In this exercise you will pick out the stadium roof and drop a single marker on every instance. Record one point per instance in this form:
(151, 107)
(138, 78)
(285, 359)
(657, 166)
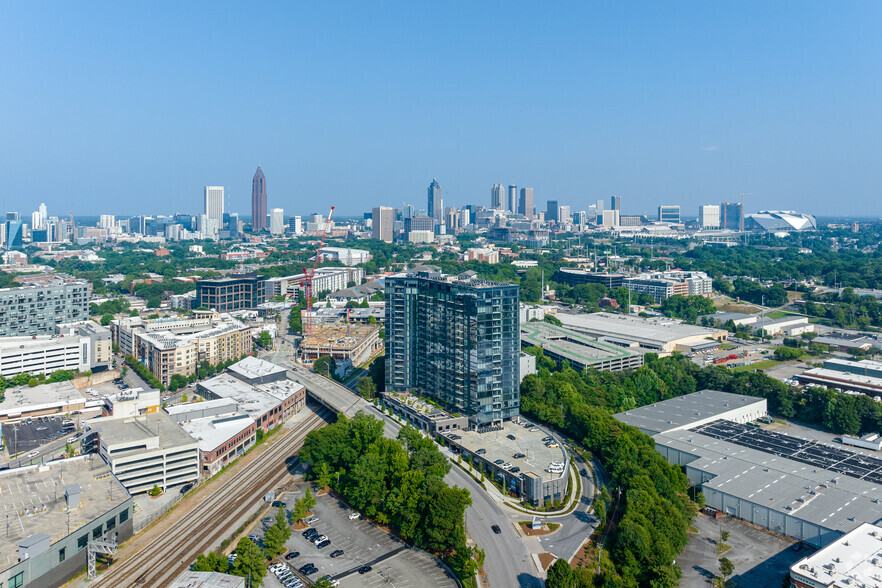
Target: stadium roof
(781, 220)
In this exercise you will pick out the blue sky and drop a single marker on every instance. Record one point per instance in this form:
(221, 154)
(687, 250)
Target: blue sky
(125, 108)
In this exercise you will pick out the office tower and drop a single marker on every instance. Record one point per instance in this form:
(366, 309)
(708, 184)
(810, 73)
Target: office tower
(455, 339)
(616, 203)
(407, 211)
(580, 218)
(610, 218)
(709, 216)
(14, 235)
(451, 218)
(240, 291)
(258, 201)
(419, 223)
(43, 214)
(36, 221)
(497, 197)
(512, 204)
(563, 214)
(13, 216)
(35, 310)
(277, 221)
(381, 223)
(525, 206)
(732, 216)
(214, 203)
(106, 221)
(551, 211)
(436, 204)
(207, 226)
(669, 213)
(295, 225)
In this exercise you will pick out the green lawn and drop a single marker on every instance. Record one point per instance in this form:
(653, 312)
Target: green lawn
(759, 365)
(776, 314)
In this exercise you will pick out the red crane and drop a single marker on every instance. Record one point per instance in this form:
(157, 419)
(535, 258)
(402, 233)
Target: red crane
(307, 279)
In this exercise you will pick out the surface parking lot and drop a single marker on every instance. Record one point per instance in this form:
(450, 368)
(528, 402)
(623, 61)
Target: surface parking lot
(23, 436)
(363, 543)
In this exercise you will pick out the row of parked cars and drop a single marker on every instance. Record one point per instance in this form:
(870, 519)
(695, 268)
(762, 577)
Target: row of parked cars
(286, 576)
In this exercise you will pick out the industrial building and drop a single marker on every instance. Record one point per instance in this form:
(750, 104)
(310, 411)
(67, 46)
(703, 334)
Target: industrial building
(144, 450)
(46, 399)
(851, 561)
(264, 393)
(581, 351)
(75, 346)
(35, 310)
(132, 402)
(788, 326)
(854, 376)
(355, 344)
(222, 436)
(346, 255)
(657, 334)
(191, 579)
(53, 511)
(455, 339)
(797, 487)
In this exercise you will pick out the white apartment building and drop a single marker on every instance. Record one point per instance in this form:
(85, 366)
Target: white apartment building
(145, 450)
(77, 346)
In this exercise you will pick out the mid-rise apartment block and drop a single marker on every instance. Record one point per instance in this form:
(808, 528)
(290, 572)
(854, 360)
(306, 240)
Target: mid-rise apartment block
(455, 339)
(76, 346)
(35, 310)
(325, 279)
(662, 285)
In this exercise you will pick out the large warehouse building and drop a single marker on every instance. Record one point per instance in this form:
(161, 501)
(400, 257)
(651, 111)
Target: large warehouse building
(659, 334)
(796, 487)
(581, 351)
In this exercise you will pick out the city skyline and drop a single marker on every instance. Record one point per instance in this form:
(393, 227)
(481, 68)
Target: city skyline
(687, 104)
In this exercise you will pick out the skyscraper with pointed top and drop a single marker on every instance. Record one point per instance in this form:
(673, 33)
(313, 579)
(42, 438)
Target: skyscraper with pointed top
(258, 201)
(436, 203)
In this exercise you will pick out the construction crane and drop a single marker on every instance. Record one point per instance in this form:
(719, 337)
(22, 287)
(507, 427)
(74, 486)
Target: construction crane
(306, 282)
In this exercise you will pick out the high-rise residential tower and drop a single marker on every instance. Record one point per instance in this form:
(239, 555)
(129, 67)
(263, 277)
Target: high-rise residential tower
(497, 197)
(511, 204)
(525, 206)
(258, 201)
(214, 203)
(457, 340)
(616, 203)
(436, 204)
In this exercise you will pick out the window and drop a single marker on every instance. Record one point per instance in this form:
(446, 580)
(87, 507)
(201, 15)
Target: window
(82, 541)
(61, 555)
(123, 516)
(96, 532)
(17, 580)
(111, 523)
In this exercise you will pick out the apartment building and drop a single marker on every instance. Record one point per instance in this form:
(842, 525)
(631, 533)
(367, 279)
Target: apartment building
(326, 279)
(35, 310)
(240, 291)
(662, 285)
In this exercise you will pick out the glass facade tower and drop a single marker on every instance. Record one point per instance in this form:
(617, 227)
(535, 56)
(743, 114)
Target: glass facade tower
(455, 339)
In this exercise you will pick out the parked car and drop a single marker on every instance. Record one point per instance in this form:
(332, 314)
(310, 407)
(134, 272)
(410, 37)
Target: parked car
(512, 437)
(499, 462)
(354, 515)
(186, 487)
(481, 451)
(519, 456)
(278, 503)
(337, 553)
(319, 539)
(496, 529)
(364, 569)
(515, 470)
(323, 544)
(292, 555)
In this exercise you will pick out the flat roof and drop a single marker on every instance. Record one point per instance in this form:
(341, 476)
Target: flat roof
(683, 411)
(252, 399)
(200, 406)
(570, 344)
(834, 377)
(212, 432)
(52, 394)
(153, 425)
(33, 499)
(658, 330)
(499, 446)
(735, 316)
(252, 368)
(190, 579)
(781, 484)
(847, 561)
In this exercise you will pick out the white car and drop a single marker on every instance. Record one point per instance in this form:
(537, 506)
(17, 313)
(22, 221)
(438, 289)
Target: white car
(319, 539)
(33, 454)
(353, 516)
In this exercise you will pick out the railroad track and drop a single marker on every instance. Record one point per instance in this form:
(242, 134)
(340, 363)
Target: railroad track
(172, 551)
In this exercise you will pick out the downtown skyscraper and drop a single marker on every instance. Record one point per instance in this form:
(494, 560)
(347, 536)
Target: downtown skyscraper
(525, 206)
(457, 340)
(214, 203)
(497, 197)
(436, 203)
(258, 201)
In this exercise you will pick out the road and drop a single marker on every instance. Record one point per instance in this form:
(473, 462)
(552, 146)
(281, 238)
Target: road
(508, 561)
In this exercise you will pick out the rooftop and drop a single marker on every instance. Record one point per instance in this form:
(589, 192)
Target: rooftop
(212, 432)
(200, 406)
(252, 368)
(252, 399)
(569, 344)
(851, 560)
(339, 338)
(25, 397)
(190, 579)
(33, 499)
(156, 429)
(683, 411)
(654, 330)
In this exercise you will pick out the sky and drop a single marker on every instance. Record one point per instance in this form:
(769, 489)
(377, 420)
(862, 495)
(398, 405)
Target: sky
(132, 108)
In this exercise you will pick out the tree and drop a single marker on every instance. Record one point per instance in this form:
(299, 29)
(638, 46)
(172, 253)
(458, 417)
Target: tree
(726, 567)
(176, 382)
(560, 575)
(323, 583)
(277, 534)
(323, 475)
(249, 562)
(325, 365)
(264, 339)
(787, 353)
(105, 320)
(367, 388)
(309, 500)
(211, 562)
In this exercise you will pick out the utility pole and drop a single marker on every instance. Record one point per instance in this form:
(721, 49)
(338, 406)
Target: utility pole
(763, 315)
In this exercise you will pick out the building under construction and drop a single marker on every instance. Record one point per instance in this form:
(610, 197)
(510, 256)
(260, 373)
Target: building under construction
(355, 343)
